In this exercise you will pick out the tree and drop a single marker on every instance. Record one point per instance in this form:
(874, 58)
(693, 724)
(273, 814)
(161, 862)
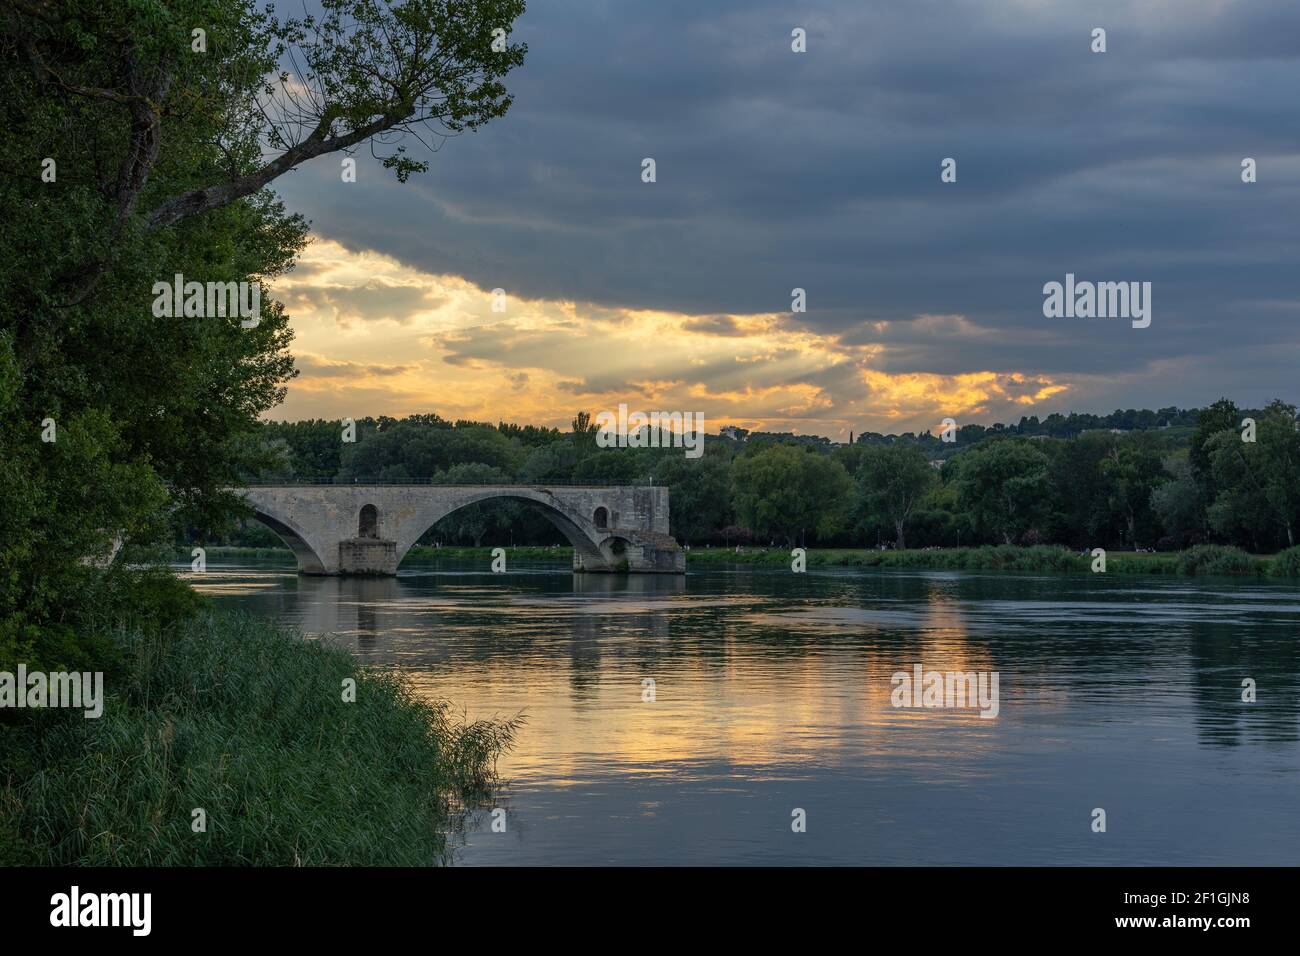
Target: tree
(1132, 471)
(1177, 503)
(315, 446)
(1080, 496)
(1003, 484)
(893, 480)
(1258, 483)
(361, 71)
(786, 491)
(423, 449)
(1222, 416)
(615, 466)
(699, 490)
(161, 154)
(553, 462)
(475, 521)
(1238, 511)
(584, 433)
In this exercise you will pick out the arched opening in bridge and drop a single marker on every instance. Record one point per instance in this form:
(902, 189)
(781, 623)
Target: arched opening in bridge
(308, 561)
(368, 524)
(505, 520)
(601, 518)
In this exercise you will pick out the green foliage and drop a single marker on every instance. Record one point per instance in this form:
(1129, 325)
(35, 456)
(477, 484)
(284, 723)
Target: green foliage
(1217, 559)
(1178, 504)
(699, 492)
(1258, 482)
(1286, 564)
(786, 491)
(1004, 486)
(247, 721)
(1222, 416)
(1203, 560)
(419, 448)
(315, 446)
(615, 465)
(1132, 471)
(1081, 495)
(553, 462)
(893, 482)
(151, 600)
(161, 169)
(984, 558)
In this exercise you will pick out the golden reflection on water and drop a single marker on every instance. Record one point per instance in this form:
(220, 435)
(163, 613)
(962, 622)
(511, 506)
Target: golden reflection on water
(757, 688)
(748, 702)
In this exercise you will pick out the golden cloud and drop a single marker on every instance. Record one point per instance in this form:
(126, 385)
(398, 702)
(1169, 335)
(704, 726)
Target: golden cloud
(379, 337)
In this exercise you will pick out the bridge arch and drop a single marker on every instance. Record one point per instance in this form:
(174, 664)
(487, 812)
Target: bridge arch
(309, 562)
(580, 532)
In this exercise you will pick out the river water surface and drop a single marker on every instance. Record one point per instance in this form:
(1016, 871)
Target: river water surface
(772, 695)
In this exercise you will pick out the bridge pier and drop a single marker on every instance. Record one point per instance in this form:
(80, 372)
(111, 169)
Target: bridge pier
(633, 552)
(367, 557)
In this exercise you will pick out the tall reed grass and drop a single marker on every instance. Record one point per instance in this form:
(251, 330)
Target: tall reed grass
(245, 720)
(1210, 559)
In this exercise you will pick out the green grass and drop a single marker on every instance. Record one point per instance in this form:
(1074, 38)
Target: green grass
(562, 555)
(1285, 564)
(246, 720)
(185, 554)
(421, 552)
(1207, 559)
(1215, 559)
(1202, 560)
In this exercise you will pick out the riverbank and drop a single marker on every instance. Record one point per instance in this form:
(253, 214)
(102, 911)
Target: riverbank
(1201, 560)
(1210, 559)
(560, 555)
(240, 724)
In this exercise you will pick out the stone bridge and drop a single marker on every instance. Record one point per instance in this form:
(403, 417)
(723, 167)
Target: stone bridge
(367, 529)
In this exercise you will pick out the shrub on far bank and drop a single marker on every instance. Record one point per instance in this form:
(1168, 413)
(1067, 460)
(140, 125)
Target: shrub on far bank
(1286, 564)
(1217, 559)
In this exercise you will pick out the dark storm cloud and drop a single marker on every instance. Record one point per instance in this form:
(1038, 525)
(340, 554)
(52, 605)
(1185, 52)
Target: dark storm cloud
(821, 171)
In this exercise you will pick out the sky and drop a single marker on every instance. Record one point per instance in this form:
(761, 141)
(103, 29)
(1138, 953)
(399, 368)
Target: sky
(821, 170)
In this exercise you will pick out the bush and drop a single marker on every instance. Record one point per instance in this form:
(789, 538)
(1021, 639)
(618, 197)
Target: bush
(244, 719)
(151, 600)
(1217, 559)
(1286, 564)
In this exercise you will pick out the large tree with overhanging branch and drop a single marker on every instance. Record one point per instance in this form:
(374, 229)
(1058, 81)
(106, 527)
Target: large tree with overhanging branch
(141, 137)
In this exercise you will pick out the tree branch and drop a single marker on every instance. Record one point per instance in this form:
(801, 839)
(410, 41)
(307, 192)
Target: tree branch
(319, 143)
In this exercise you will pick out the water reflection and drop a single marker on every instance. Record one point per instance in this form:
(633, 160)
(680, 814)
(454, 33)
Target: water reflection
(772, 691)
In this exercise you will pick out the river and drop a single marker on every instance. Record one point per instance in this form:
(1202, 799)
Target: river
(772, 709)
